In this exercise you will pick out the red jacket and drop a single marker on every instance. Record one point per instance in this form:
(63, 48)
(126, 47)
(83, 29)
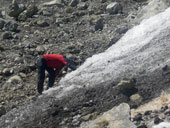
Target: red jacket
(55, 61)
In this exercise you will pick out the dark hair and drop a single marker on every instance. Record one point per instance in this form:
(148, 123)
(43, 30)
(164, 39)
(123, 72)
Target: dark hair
(70, 63)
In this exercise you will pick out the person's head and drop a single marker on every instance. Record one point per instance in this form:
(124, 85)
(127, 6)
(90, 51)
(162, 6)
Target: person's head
(69, 63)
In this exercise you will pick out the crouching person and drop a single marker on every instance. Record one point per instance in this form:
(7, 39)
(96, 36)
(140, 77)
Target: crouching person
(52, 63)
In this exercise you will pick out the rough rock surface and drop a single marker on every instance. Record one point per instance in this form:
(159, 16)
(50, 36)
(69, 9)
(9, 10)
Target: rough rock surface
(78, 29)
(117, 117)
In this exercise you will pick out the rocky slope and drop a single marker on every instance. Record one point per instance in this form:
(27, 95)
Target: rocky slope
(78, 29)
(59, 29)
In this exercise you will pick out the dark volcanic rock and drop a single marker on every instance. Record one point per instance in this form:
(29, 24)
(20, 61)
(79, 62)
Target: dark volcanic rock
(11, 26)
(7, 35)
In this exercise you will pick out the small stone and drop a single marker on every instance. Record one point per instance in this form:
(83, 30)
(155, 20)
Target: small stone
(165, 68)
(86, 117)
(122, 30)
(42, 23)
(99, 24)
(1, 16)
(69, 10)
(147, 112)
(8, 71)
(114, 8)
(10, 26)
(23, 75)
(40, 49)
(126, 84)
(2, 22)
(84, 0)
(46, 13)
(140, 0)
(138, 117)
(59, 3)
(142, 126)
(74, 3)
(31, 10)
(2, 110)
(167, 113)
(59, 20)
(103, 1)
(22, 17)
(7, 35)
(136, 99)
(157, 120)
(164, 108)
(15, 78)
(82, 6)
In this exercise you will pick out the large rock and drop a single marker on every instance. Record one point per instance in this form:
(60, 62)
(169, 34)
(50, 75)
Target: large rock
(15, 9)
(114, 8)
(28, 13)
(117, 117)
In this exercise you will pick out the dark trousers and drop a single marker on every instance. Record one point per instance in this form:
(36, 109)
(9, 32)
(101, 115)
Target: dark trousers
(42, 66)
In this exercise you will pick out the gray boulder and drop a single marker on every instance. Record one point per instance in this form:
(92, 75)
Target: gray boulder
(28, 13)
(117, 117)
(114, 8)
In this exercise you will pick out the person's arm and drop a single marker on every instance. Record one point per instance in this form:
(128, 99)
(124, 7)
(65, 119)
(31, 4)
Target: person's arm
(57, 73)
(71, 66)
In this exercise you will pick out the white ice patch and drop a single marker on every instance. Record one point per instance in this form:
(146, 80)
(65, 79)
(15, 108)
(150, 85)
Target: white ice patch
(142, 47)
(162, 125)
